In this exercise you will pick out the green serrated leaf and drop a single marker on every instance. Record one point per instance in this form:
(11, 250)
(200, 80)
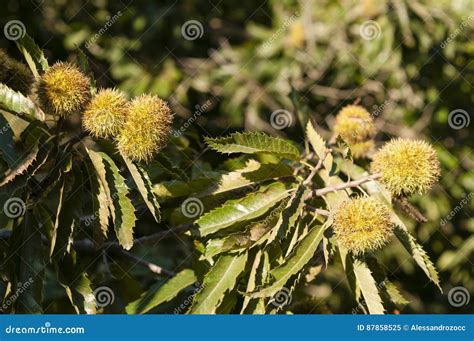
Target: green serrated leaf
(120, 206)
(100, 209)
(253, 235)
(21, 167)
(144, 186)
(83, 63)
(163, 162)
(251, 206)
(317, 142)
(65, 221)
(178, 188)
(417, 252)
(289, 216)
(253, 173)
(30, 268)
(76, 284)
(7, 142)
(57, 219)
(394, 294)
(161, 293)
(257, 277)
(124, 212)
(220, 279)
(368, 287)
(33, 54)
(16, 103)
(253, 142)
(302, 254)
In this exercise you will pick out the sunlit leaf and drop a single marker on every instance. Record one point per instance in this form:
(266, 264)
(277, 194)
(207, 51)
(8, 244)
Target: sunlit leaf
(251, 143)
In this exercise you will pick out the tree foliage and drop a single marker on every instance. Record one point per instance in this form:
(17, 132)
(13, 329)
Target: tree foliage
(240, 223)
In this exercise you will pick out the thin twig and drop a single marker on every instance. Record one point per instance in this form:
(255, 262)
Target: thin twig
(333, 188)
(315, 169)
(153, 238)
(151, 266)
(88, 245)
(333, 139)
(317, 210)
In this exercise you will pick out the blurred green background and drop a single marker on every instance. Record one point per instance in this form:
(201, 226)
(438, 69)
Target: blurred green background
(409, 62)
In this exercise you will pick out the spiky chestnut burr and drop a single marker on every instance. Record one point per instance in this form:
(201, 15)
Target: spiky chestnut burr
(14, 74)
(106, 113)
(407, 166)
(63, 89)
(362, 224)
(146, 130)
